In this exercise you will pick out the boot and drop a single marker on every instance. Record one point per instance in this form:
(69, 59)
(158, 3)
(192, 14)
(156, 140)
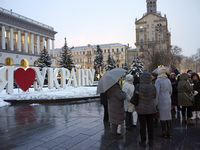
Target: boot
(115, 135)
(198, 114)
(169, 126)
(184, 120)
(163, 127)
(194, 114)
(189, 122)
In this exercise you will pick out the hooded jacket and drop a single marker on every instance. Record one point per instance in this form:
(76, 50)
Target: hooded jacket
(183, 89)
(147, 95)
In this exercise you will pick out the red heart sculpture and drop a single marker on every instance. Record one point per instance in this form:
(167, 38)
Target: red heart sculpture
(24, 78)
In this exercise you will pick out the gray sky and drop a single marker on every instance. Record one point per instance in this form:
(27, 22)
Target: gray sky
(85, 22)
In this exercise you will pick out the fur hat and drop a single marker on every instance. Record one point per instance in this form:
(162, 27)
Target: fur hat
(129, 77)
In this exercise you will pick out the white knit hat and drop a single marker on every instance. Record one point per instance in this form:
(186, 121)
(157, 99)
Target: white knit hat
(129, 77)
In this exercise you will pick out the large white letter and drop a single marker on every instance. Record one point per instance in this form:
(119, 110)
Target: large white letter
(78, 74)
(52, 78)
(40, 76)
(6, 79)
(91, 76)
(72, 79)
(65, 74)
(84, 77)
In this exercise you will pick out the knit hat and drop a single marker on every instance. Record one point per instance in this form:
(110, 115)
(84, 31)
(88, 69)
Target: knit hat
(129, 77)
(162, 73)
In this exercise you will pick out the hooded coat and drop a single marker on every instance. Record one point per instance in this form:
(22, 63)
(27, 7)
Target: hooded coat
(147, 95)
(183, 89)
(128, 87)
(116, 99)
(163, 99)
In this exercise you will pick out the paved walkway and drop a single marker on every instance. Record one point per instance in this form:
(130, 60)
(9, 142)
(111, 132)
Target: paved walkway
(79, 127)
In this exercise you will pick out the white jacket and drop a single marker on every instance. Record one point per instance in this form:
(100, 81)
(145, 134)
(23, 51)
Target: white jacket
(129, 89)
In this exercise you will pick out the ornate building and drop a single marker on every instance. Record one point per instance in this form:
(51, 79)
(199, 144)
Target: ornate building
(22, 39)
(84, 55)
(152, 32)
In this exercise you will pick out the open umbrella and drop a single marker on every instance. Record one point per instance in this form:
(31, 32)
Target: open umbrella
(156, 70)
(109, 79)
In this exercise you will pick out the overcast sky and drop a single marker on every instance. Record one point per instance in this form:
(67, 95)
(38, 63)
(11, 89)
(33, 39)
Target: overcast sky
(85, 22)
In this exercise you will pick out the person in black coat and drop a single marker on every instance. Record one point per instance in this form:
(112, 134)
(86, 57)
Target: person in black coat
(136, 78)
(104, 102)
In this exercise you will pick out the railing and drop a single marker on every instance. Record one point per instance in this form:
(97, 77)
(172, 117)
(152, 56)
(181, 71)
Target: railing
(25, 18)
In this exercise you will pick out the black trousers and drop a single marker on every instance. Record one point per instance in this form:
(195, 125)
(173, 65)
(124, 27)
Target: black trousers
(146, 120)
(106, 117)
(189, 111)
(129, 119)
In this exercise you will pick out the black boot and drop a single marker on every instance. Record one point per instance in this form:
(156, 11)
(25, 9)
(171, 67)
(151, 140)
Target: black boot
(163, 127)
(115, 135)
(169, 124)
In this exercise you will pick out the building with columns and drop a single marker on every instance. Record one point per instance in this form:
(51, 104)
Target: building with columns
(152, 32)
(84, 55)
(22, 39)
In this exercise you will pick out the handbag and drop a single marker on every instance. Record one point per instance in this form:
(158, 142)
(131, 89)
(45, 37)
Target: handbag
(135, 98)
(191, 97)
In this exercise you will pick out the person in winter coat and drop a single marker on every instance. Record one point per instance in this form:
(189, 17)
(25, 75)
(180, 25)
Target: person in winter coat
(163, 101)
(146, 107)
(116, 111)
(174, 96)
(184, 90)
(128, 88)
(196, 107)
(104, 102)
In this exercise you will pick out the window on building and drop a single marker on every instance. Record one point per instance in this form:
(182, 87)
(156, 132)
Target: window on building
(141, 41)
(122, 49)
(83, 53)
(148, 39)
(148, 33)
(152, 38)
(108, 50)
(77, 61)
(104, 51)
(141, 28)
(113, 50)
(152, 25)
(147, 26)
(80, 53)
(141, 34)
(77, 53)
(152, 32)
(117, 50)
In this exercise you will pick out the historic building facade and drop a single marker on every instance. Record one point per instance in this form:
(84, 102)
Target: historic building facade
(152, 31)
(22, 39)
(85, 55)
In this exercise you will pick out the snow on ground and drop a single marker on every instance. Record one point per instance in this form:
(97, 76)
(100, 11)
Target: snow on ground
(45, 93)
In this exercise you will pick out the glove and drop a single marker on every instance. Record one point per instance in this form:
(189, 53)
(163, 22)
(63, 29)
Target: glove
(195, 93)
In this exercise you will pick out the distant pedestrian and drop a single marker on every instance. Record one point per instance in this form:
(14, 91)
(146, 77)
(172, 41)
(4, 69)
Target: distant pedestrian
(128, 88)
(146, 107)
(184, 90)
(104, 102)
(164, 91)
(174, 96)
(136, 78)
(196, 107)
(116, 111)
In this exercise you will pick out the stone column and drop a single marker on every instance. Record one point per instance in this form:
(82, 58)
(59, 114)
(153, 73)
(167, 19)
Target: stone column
(32, 43)
(19, 41)
(3, 41)
(53, 48)
(38, 44)
(11, 40)
(26, 42)
(48, 46)
(43, 43)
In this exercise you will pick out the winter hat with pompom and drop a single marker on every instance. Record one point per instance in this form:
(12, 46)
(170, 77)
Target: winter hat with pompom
(129, 77)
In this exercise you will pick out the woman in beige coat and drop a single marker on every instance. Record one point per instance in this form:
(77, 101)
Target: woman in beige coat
(116, 112)
(184, 90)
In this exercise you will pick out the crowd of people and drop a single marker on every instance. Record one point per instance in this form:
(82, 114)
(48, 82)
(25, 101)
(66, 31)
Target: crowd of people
(160, 95)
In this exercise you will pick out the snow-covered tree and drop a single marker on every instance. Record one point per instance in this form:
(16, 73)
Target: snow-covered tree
(110, 63)
(44, 60)
(98, 61)
(66, 57)
(137, 66)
